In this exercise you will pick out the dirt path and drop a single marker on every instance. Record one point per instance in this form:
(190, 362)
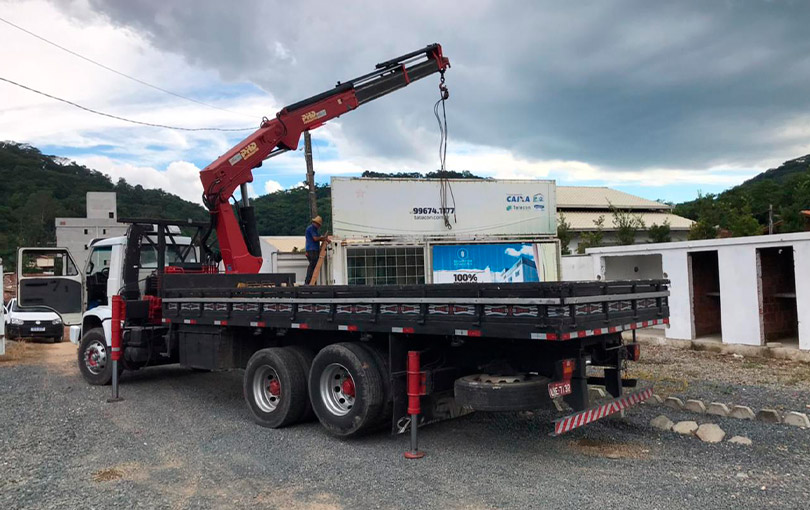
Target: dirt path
(59, 357)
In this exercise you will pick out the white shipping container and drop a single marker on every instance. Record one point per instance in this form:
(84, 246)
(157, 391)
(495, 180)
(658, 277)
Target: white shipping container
(369, 208)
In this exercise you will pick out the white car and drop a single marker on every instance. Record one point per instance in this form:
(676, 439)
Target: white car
(32, 322)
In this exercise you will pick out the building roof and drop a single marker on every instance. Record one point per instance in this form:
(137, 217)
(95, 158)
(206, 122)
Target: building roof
(285, 243)
(583, 220)
(600, 197)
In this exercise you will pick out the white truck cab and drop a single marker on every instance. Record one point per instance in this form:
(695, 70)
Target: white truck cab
(49, 277)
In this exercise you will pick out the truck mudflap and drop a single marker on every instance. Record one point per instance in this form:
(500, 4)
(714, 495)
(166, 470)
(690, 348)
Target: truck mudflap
(576, 420)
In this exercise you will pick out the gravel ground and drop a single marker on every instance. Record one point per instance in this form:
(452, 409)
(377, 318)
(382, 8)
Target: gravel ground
(185, 440)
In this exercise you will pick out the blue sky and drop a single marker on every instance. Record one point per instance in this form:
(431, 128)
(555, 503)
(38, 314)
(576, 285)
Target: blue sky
(661, 100)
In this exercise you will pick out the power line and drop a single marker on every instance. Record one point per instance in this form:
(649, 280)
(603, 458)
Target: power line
(121, 118)
(99, 64)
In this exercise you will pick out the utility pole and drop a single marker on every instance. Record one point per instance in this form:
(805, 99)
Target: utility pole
(313, 201)
(770, 219)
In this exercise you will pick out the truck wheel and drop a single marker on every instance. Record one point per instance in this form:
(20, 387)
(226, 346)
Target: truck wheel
(381, 360)
(95, 363)
(345, 389)
(484, 392)
(305, 357)
(275, 387)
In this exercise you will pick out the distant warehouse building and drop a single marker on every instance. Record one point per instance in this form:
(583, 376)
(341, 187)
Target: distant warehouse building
(582, 206)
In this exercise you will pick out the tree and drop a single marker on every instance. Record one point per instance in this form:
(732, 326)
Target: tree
(660, 233)
(594, 238)
(744, 225)
(701, 229)
(627, 225)
(564, 234)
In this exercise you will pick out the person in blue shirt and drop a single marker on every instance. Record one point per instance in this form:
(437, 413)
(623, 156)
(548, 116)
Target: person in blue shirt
(313, 245)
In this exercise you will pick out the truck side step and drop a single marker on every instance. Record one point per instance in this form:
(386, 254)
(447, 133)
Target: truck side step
(576, 420)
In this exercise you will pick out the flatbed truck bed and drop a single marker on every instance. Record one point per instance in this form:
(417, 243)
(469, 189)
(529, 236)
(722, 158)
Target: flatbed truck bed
(479, 341)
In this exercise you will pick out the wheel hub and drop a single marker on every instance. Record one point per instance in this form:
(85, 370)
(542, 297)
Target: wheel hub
(266, 388)
(337, 389)
(348, 387)
(95, 357)
(274, 387)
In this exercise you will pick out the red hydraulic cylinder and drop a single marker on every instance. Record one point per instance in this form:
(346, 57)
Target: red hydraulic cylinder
(118, 315)
(416, 383)
(416, 388)
(117, 319)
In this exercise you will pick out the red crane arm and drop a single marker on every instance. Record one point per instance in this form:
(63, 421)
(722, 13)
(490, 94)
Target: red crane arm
(238, 240)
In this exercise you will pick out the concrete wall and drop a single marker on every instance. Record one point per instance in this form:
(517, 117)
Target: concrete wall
(102, 205)
(739, 283)
(633, 267)
(575, 268)
(75, 234)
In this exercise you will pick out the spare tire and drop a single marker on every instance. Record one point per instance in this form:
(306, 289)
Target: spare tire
(485, 392)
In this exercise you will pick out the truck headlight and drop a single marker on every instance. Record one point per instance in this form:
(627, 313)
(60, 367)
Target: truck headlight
(17, 322)
(56, 322)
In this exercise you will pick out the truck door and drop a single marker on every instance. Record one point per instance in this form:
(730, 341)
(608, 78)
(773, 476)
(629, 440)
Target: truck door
(49, 277)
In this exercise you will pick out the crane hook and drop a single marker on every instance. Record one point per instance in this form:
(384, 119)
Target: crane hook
(443, 92)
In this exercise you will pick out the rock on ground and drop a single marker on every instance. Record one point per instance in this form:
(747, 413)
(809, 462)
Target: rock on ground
(674, 403)
(662, 423)
(740, 440)
(695, 406)
(717, 409)
(686, 428)
(742, 413)
(710, 433)
(769, 416)
(797, 419)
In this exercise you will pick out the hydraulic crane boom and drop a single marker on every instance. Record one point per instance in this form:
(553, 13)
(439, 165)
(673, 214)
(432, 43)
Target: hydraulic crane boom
(238, 239)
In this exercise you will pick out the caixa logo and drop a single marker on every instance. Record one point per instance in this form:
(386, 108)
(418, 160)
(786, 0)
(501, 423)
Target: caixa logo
(518, 199)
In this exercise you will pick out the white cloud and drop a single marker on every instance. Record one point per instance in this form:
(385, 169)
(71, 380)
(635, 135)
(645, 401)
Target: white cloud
(151, 156)
(526, 250)
(271, 186)
(180, 177)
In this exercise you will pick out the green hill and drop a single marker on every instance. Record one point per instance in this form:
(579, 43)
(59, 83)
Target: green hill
(743, 210)
(36, 188)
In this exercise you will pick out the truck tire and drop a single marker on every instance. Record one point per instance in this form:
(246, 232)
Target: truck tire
(345, 389)
(483, 392)
(95, 363)
(381, 361)
(305, 357)
(275, 387)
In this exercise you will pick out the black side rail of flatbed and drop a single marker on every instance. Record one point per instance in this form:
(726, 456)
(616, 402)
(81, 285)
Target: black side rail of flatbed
(530, 311)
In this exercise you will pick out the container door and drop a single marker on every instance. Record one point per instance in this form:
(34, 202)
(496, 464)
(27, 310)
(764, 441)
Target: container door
(48, 277)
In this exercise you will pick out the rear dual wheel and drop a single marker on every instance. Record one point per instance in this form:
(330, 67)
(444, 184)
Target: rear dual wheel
(345, 383)
(346, 389)
(275, 387)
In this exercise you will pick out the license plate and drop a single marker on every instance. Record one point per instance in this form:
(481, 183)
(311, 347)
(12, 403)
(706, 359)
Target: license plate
(559, 389)
(35, 328)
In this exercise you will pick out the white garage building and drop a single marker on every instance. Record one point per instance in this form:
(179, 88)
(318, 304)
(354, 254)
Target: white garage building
(750, 290)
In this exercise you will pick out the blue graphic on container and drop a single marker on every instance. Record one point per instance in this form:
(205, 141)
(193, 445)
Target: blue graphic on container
(485, 263)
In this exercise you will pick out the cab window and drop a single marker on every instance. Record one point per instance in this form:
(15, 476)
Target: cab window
(47, 263)
(99, 260)
(173, 256)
